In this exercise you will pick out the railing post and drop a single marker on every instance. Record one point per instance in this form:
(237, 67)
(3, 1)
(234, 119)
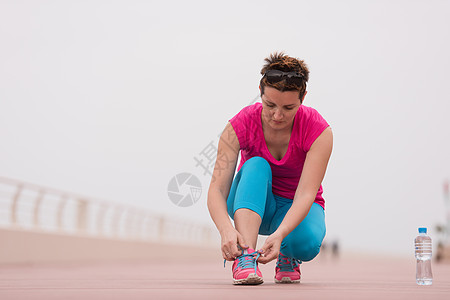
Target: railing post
(59, 214)
(150, 228)
(14, 204)
(139, 221)
(116, 221)
(129, 224)
(161, 229)
(207, 236)
(188, 229)
(100, 220)
(37, 206)
(82, 215)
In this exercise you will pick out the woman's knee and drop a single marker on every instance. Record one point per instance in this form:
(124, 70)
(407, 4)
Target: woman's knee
(304, 247)
(310, 252)
(304, 252)
(257, 164)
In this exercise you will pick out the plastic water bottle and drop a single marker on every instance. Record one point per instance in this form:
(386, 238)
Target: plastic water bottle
(423, 257)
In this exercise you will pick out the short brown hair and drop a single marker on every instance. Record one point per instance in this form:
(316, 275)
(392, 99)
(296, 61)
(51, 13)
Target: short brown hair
(282, 62)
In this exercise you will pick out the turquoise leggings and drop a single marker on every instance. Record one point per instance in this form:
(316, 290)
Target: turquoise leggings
(252, 189)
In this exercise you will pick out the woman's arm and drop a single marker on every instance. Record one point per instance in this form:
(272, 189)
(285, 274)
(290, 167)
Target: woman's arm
(312, 175)
(225, 166)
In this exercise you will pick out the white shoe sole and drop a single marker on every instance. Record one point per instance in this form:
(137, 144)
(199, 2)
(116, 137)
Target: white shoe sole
(287, 280)
(251, 279)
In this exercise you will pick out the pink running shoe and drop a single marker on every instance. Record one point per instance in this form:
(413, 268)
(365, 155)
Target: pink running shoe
(245, 268)
(287, 270)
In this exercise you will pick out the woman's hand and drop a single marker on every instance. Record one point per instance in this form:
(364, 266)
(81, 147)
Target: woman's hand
(231, 241)
(271, 248)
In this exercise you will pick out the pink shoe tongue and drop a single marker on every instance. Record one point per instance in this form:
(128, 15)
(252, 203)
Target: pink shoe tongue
(248, 251)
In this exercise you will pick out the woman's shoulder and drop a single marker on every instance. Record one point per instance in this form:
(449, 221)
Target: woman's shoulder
(307, 110)
(248, 113)
(245, 123)
(307, 114)
(311, 124)
(252, 109)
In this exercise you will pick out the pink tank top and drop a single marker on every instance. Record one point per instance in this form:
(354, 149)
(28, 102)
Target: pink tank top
(308, 125)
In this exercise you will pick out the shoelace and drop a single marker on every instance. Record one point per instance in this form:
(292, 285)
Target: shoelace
(286, 264)
(245, 263)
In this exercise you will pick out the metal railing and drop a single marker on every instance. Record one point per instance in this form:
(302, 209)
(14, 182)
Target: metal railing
(32, 207)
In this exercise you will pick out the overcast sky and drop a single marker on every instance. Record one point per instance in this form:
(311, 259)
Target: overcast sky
(112, 99)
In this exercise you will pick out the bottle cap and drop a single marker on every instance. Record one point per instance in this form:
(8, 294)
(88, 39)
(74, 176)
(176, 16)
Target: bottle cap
(422, 230)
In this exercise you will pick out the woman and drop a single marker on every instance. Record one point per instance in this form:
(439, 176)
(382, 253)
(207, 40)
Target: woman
(285, 147)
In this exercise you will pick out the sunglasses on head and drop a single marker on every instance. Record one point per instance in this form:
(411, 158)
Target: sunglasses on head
(274, 76)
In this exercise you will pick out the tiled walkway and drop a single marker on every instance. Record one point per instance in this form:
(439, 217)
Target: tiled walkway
(190, 278)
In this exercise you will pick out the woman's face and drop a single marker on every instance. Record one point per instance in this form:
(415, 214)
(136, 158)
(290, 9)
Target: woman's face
(279, 108)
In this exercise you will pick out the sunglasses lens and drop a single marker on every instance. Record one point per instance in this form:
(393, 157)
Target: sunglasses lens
(294, 80)
(274, 76)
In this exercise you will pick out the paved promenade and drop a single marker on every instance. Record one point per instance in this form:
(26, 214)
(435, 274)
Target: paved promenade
(180, 277)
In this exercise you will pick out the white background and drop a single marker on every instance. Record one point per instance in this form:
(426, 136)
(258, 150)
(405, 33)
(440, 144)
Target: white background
(111, 99)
